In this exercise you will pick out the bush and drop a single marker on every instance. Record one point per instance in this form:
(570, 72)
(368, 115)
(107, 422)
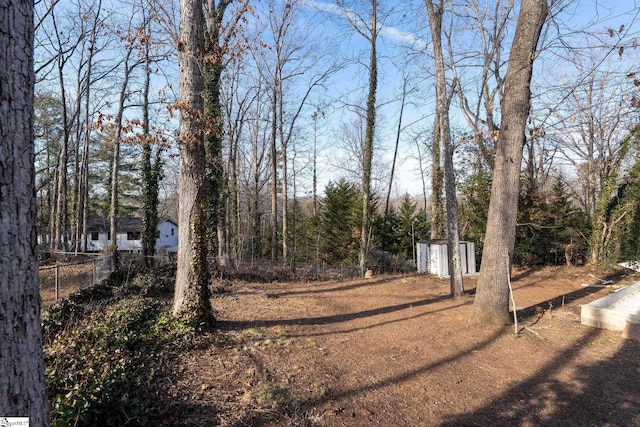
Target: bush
(102, 351)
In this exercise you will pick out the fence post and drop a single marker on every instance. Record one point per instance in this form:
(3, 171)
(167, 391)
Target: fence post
(94, 271)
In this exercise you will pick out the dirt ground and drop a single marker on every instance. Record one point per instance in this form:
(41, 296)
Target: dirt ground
(397, 351)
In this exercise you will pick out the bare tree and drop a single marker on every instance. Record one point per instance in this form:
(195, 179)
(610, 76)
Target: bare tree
(130, 62)
(22, 383)
(221, 28)
(82, 194)
(403, 100)
(191, 301)
(367, 25)
(291, 67)
(443, 102)
(491, 305)
(59, 227)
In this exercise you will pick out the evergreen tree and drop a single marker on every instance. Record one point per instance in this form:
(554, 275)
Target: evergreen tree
(475, 192)
(340, 219)
(572, 226)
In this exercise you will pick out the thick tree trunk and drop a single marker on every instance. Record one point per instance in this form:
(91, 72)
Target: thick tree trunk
(22, 384)
(191, 301)
(367, 149)
(491, 305)
(437, 179)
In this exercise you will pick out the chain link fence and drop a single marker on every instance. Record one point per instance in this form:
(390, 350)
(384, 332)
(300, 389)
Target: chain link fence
(68, 273)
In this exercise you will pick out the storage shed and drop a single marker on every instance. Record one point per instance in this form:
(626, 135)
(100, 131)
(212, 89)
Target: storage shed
(433, 257)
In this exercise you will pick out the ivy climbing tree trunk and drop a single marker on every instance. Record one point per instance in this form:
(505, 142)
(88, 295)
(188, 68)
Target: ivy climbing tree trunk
(191, 301)
(151, 165)
(367, 148)
(22, 384)
(437, 179)
(213, 119)
(491, 304)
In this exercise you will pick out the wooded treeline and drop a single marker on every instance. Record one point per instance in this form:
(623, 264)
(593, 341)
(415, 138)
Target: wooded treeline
(293, 93)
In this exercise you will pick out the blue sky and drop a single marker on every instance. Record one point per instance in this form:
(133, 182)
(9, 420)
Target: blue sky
(404, 30)
(404, 52)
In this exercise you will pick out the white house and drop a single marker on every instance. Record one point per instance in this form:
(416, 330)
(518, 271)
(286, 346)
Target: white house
(433, 257)
(129, 234)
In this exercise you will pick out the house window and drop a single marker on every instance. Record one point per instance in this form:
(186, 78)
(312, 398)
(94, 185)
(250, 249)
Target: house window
(172, 231)
(94, 236)
(133, 235)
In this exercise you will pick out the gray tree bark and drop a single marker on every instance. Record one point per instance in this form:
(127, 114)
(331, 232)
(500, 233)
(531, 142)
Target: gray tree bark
(442, 113)
(191, 301)
(22, 384)
(491, 305)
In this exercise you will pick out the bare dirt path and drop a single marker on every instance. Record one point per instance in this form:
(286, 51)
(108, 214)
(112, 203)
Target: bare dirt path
(396, 351)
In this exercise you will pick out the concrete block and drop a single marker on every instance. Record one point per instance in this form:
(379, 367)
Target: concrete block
(631, 330)
(615, 310)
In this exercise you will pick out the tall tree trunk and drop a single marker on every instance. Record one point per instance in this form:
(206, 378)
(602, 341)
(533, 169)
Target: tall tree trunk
(437, 179)
(491, 305)
(22, 383)
(60, 219)
(442, 113)
(256, 235)
(315, 117)
(83, 193)
(367, 148)
(213, 150)
(150, 167)
(113, 206)
(274, 172)
(234, 194)
(217, 46)
(395, 150)
(285, 187)
(60, 216)
(191, 301)
(128, 67)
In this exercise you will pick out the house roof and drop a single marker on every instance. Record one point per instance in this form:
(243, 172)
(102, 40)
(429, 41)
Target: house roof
(123, 225)
(167, 219)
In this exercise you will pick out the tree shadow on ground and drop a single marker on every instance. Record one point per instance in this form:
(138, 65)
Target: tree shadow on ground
(337, 318)
(603, 393)
(376, 325)
(525, 273)
(556, 302)
(322, 288)
(295, 406)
